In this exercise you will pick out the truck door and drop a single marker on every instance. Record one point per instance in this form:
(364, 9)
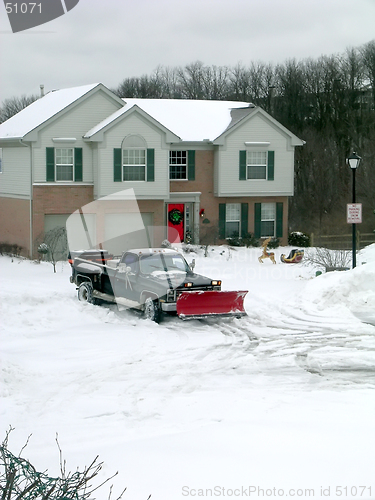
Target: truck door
(126, 277)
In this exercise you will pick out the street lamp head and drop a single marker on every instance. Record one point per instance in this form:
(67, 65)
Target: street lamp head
(354, 160)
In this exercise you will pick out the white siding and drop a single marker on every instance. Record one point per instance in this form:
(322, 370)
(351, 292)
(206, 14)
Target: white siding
(154, 138)
(256, 129)
(15, 179)
(75, 123)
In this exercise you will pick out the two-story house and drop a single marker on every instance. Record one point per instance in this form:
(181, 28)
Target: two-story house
(209, 169)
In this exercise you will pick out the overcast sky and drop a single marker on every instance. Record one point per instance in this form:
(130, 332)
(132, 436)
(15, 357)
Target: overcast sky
(109, 40)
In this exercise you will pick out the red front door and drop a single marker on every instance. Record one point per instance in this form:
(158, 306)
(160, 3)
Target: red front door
(176, 216)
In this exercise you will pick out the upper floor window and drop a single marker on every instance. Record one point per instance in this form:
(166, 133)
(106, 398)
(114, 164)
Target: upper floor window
(257, 164)
(182, 165)
(64, 164)
(134, 158)
(178, 166)
(64, 161)
(134, 164)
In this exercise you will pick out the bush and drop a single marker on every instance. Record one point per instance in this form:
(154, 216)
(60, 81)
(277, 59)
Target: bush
(248, 240)
(10, 249)
(274, 243)
(298, 239)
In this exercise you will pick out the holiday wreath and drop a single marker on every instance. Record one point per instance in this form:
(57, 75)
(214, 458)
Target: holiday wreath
(175, 216)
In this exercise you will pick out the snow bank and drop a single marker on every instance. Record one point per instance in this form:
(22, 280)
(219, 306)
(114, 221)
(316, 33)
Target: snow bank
(353, 290)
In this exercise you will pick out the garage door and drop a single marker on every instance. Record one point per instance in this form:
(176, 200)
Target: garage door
(81, 231)
(77, 236)
(125, 231)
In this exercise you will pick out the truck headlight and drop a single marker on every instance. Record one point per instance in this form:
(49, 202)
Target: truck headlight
(216, 283)
(188, 285)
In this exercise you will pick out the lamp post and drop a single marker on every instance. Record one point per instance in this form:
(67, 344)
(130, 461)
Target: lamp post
(353, 162)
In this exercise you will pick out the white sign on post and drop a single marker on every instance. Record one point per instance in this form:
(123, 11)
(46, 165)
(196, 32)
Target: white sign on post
(354, 213)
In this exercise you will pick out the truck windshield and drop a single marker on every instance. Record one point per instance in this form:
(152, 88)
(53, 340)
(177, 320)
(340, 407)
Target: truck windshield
(163, 262)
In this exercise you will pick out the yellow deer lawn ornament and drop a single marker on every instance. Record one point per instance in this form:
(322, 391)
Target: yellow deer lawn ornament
(265, 254)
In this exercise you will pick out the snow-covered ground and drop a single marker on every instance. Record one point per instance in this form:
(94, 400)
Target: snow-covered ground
(279, 403)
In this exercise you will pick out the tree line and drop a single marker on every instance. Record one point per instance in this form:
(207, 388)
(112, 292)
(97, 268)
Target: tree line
(329, 102)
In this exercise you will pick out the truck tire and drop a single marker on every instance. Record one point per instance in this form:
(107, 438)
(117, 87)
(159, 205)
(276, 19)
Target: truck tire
(152, 310)
(85, 290)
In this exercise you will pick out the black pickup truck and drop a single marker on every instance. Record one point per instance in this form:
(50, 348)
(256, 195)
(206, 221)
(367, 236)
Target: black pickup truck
(155, 281)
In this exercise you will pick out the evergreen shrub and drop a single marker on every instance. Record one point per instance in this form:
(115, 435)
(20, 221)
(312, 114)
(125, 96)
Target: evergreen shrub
(298, 239)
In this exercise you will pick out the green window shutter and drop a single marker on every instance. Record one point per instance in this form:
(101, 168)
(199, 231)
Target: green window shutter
(244, 218)
(78, 164)
(117, 165)
(279, 220)
(50, 164)
(242, 165)
(191, 165)
(150, 165)
(271, 166)
(222, 217)
(257, 219)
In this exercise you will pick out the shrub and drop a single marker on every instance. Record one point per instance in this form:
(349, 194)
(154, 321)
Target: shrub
(328, 259)
(298, 239)
(248, 240)
(274, 243)
(235, 240)
(10, 249)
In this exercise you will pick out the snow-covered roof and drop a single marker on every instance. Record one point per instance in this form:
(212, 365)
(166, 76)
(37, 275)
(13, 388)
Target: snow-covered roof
(191, 120)
(41, 110)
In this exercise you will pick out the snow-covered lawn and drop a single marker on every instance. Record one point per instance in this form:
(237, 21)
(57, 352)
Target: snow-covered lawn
(279, 403)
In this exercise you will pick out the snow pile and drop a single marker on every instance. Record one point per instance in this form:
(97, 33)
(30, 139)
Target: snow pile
(353, 290)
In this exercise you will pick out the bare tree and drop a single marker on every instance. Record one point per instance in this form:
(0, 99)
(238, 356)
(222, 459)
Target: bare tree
(14, 105)
(368, 56)
(216, 82)
(191, 80)
(19, 478)
(54, 246)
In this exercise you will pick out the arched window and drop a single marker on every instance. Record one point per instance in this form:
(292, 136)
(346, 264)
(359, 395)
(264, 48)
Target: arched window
(134, 157)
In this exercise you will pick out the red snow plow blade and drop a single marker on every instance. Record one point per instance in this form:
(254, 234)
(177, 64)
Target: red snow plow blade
(204, 304)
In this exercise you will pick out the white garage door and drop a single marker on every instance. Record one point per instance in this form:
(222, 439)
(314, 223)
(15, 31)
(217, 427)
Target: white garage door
(81, 231)
(125, 231)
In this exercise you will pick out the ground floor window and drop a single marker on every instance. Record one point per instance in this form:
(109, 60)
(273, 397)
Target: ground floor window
(233, 220)
(268, 220)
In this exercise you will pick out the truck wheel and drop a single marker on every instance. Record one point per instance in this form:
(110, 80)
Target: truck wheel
(152, 310)
(85, 290)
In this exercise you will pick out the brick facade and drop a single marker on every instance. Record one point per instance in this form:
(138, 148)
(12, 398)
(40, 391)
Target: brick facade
(15, 223)
(57, 200)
